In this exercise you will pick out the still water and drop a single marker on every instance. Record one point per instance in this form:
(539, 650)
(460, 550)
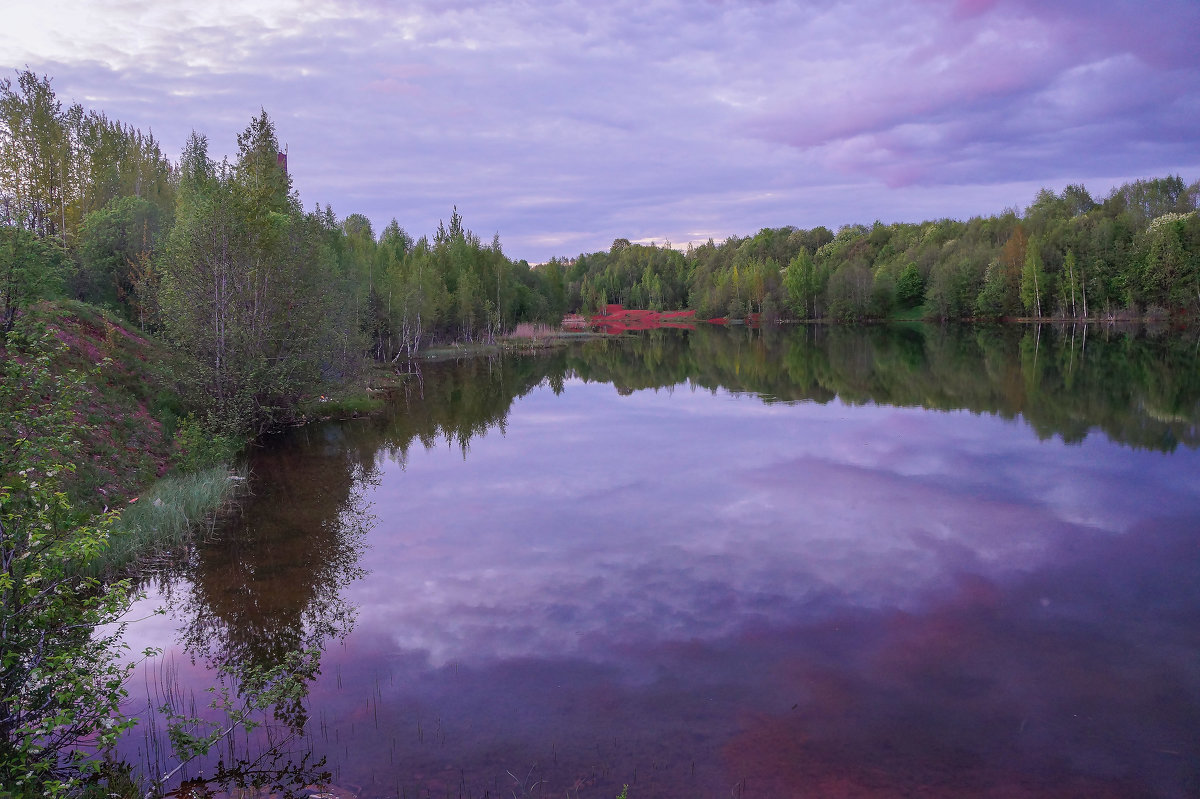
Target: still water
(849, 563)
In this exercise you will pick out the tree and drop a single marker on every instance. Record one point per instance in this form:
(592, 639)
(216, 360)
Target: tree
(113, 245)
(800, 283)
(249, 296)
(910, 288)
(849, 292)
(263, 184)
(1070, 278)
(31, 269)
(34, 155)
(1163, 276)
(952, 289)
(61, 684)
(1033, 279)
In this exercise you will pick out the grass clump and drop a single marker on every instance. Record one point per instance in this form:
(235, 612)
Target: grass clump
(162, 521)
(914, 314)
(341, 407)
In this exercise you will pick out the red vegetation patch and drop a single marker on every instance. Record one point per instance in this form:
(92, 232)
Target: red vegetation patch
(618, 319)
(124, 446)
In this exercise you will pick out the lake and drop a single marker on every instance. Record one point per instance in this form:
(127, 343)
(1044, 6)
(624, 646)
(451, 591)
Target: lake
(837, 562)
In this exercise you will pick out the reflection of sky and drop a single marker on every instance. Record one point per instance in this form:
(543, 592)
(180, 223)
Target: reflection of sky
(681, 515)
(800, 596)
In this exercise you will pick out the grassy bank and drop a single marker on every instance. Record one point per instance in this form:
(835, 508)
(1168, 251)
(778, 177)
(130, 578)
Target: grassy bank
(355, 403)
(129, 405)
(138, 453)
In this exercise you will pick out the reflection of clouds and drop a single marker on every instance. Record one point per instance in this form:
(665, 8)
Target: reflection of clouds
(813, 597)
(1048, 684)
(1073, 679)
(693, 524)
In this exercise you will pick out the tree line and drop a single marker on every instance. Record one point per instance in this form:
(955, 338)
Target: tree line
(261, 300)
(1136, 253)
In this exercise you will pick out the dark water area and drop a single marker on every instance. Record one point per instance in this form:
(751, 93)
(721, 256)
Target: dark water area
(820, 562)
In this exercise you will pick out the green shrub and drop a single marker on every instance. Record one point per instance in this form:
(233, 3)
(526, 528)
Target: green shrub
(200, 447)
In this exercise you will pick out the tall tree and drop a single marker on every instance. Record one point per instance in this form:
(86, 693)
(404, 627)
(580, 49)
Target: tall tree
(249, 295)
(1033, 279)
(34, 155)
(800, 282)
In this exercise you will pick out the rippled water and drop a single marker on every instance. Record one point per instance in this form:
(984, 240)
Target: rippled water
(826, 563)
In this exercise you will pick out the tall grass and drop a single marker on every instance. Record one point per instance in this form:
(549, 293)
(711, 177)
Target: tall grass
(163, 519)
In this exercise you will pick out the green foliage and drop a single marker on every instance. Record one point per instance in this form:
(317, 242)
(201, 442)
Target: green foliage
(116, 250)
(952, 290)
(61, 685)
(1168, 276)
(59, 164)
(801, 284)
(34, 143)
(202, 447)
(910, 288)
(1033, 280)
(254, 309)
(31, 269)
(1091, 259)
(341, 407)
(849, 293)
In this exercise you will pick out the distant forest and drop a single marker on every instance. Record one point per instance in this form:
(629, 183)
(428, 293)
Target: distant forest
(1134, 254)
(264, 301)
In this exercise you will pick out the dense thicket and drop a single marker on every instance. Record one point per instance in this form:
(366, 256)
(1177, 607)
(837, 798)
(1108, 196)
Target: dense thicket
(1135, 253)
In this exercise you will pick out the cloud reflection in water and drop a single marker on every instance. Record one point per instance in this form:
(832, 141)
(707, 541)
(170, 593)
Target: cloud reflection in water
(692, 590)
(665, 504)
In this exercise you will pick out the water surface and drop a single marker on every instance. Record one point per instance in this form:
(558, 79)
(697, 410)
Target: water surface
(877, 562)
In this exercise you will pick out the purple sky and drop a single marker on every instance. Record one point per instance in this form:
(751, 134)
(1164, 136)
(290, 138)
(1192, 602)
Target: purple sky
(563, 125)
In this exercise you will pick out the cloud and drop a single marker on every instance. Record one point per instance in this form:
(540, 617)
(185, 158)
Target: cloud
(1004, 90)
(565, 125)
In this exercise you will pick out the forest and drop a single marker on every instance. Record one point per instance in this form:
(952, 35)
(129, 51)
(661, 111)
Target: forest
(1133, 254)
(263, 301)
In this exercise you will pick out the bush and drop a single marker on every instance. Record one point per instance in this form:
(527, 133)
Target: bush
(200, 447)
(61, 685)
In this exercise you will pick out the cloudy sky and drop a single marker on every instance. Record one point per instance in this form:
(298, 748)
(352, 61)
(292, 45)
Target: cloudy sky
(564, 124)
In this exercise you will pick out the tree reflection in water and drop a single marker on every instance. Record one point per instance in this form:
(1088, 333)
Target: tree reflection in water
(268, 587)
(273, 580)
